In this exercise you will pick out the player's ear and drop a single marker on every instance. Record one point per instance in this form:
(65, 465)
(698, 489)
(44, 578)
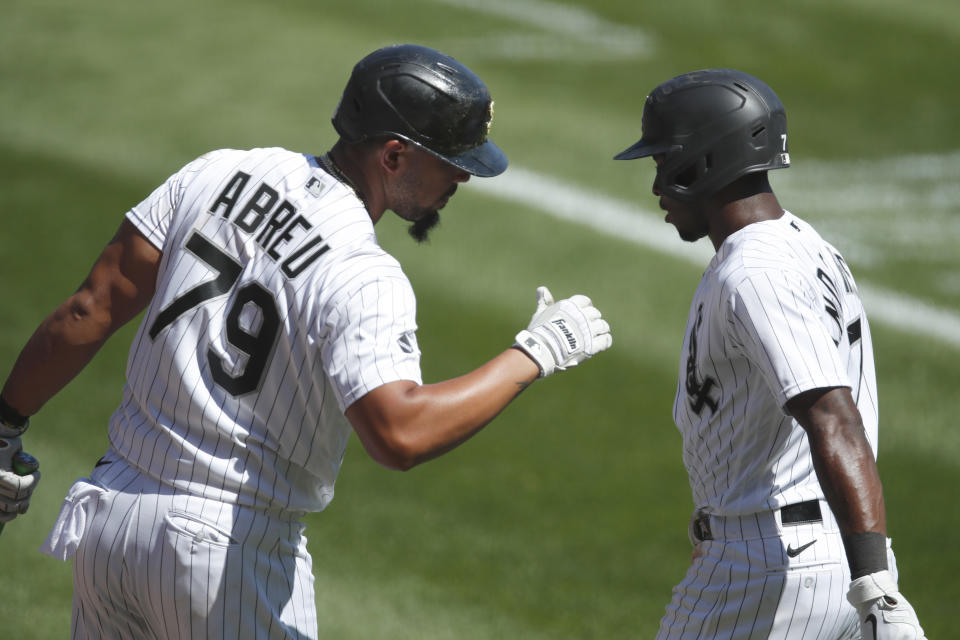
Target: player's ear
(393, 154)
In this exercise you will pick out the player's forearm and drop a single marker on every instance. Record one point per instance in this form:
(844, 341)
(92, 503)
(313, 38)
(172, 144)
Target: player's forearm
(451, 411)
(403, 424)
(847, 472)
(118, 287)
(851, 484)
(57, 351)
(842, 459)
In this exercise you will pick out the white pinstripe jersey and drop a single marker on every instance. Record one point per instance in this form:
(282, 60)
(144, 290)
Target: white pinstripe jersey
(275, 309)
(776, 313)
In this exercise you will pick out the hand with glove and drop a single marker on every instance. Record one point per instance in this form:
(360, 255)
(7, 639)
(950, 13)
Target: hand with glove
(883, 611)
(18, 473)
(563, 334)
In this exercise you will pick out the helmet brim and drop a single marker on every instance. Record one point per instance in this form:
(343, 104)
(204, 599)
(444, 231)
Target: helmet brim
(643, 149)
(484, 161)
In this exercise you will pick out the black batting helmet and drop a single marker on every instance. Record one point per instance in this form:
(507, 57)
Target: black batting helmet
(425, 97)
(712, 127)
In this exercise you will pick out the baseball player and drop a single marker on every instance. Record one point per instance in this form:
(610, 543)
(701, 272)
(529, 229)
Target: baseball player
(274, 324)
(777, 396)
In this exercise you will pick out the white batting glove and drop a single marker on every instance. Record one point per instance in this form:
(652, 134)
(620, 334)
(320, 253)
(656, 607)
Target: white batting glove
(563, 334)
(15, 489)
(883, 611)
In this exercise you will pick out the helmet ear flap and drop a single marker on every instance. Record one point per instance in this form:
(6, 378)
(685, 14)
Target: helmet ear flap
(684, 181)
(686, 177)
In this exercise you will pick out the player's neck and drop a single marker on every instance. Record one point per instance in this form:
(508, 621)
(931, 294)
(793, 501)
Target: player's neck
(348, 162)
(736, 214)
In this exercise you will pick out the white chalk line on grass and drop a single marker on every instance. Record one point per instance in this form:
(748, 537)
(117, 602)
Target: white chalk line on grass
(556, 31)
(627, 221)
(904, 207)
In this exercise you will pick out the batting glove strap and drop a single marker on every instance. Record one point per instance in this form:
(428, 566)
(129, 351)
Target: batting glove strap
(883, 611)
(538, 350)
(8, 430)
(12, 423)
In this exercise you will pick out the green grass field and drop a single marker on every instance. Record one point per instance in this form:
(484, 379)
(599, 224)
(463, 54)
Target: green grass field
(566, 518)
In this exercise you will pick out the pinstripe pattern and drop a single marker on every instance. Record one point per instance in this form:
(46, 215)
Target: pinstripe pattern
(744, 585)
(157, 563)
(280, 447)
(763, 335)
(776, 313)
(275, 309)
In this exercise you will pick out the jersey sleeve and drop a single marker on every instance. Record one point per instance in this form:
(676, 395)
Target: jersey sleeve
(775, 319)
(372, 338)
(153, 216)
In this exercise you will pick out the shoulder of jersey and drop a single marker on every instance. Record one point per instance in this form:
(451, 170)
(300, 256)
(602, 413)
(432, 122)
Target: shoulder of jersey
(300, 178)
(770, 245)
(263, 157)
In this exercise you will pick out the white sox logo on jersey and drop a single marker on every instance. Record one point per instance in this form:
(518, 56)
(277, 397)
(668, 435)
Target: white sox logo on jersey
(698, 392)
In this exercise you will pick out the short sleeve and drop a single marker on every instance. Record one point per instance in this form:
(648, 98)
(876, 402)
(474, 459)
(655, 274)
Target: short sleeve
(153, 216)
(775, 319)
(372, 339)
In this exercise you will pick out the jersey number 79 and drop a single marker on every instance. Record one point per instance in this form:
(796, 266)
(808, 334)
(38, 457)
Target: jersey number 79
(257, 345)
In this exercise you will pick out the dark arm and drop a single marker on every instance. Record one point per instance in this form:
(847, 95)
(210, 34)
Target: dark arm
(119, 286)
(847, 471)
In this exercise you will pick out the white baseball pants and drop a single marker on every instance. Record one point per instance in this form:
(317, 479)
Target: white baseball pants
(153, 563)
(743, 584)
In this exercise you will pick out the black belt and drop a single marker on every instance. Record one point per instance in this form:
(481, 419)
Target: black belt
(800, 513)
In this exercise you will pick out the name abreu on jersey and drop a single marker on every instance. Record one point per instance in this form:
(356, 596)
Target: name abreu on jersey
(276, 224)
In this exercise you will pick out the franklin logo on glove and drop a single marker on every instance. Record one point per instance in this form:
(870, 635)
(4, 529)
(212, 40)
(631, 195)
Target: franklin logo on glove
(566, 333)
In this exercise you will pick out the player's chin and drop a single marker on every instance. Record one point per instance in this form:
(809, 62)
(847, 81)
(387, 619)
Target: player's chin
(690, 236)
(421, 227)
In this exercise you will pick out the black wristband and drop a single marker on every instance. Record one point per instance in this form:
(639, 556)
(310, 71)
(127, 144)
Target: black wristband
(11, 416)
(866, 553)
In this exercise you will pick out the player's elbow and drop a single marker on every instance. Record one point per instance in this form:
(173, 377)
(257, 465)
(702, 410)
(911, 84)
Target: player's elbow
(397, 463)
(391, 426)
(82, 319)
(389, 442)
(392, 450)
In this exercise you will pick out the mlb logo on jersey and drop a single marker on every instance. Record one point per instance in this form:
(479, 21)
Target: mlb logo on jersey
(315, 187)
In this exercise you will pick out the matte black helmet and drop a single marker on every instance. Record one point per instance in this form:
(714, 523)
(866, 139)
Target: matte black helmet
(712, 127)
(425, 97)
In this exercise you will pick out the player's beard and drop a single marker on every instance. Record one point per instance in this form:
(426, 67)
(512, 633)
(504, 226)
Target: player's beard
(423, 218)
(421, 227)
